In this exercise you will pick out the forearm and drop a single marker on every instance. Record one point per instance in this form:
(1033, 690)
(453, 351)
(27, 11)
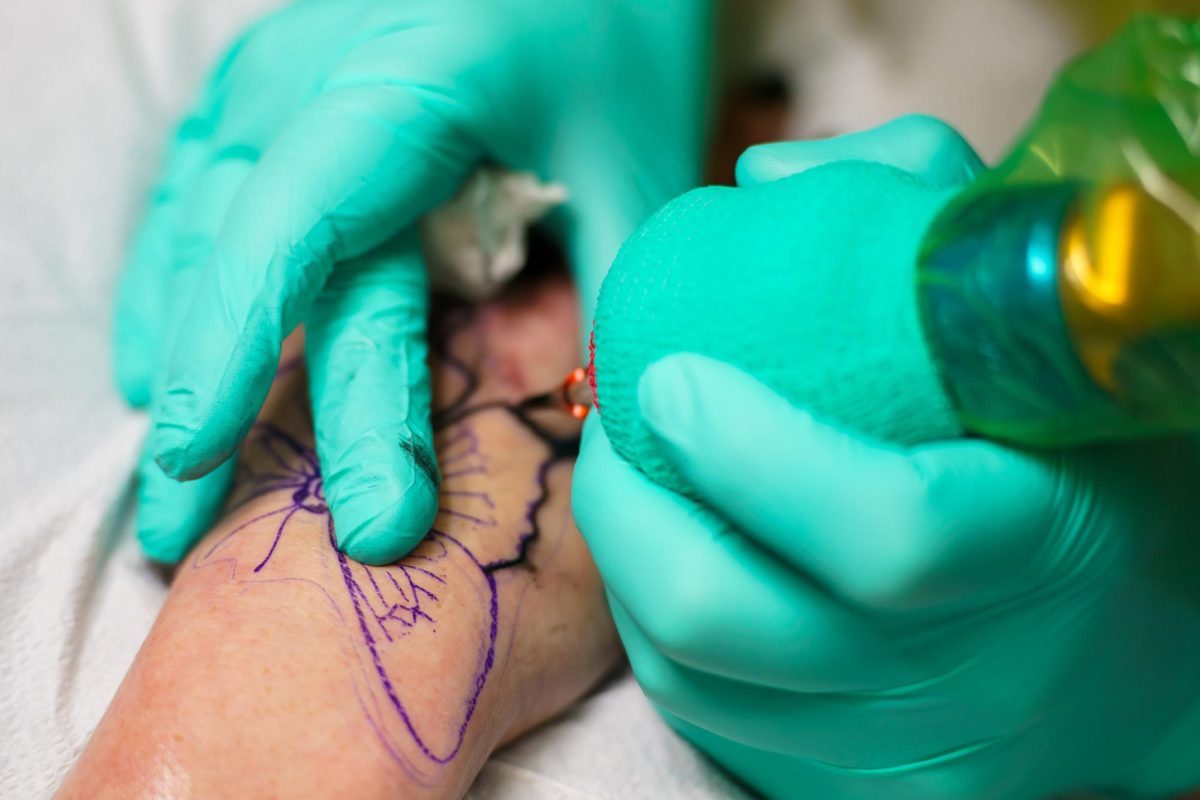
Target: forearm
(280, 667)
(274, 690)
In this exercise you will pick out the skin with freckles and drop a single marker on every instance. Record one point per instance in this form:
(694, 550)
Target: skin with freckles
(280, 668)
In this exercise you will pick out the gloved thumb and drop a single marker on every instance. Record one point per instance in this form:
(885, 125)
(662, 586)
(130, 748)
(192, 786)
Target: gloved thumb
(886, 526)
(807, 283)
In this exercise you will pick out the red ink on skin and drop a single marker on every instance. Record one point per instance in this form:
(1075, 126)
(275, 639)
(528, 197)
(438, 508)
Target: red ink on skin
(591, 368)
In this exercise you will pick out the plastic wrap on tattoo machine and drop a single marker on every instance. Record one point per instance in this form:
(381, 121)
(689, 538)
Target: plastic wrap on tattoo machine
(1060, 292)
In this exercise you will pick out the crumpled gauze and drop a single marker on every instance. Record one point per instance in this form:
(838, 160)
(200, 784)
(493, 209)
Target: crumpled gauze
(475, 243)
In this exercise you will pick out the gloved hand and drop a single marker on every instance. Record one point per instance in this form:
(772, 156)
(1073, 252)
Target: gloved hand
(808, 282)
(290, 193)
(915, 143)
(839, 617)
(845, 619)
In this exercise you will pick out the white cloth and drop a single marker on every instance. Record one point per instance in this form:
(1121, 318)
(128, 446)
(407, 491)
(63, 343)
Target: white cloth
(88, 92)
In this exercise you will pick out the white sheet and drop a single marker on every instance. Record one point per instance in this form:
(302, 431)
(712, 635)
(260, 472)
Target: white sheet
(88, 91)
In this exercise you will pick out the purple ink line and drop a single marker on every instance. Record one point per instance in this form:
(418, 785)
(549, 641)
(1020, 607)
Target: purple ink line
(485, 497)
(224, 538)
(306, 453)
(265, 489)
(451, 459)
(286, 475)
(275, 543)
(358, 591)
(396, 583)
(390, 610)
(371, 577)
(533, 531)
(385, 679)
(490, 522)
(426, 592)
(415, 589)
(417, 612)
(456, 435)
(275, 439)
(269, 446)
(467, 471)
(454, 452)
(437, 578)
(394, 610)
(289, 365)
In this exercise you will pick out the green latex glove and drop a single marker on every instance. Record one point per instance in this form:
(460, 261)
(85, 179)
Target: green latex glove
(843, 618)
(915, 143)
(807, 282)
(290, 193)
(830, 615)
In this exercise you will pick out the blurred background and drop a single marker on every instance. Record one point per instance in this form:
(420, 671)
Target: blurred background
(979, 64)
(89, 91)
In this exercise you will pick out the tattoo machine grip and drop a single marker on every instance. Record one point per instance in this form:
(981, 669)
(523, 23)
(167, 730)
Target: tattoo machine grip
(805, 283)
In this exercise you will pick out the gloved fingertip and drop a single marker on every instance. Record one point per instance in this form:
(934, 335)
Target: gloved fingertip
(131, 371)
(376, 530)
(378, 536)
(135, 344)
(131, 367)
(168, 526)
(161, 547)
(170, 453)
(759, 164)
(173, 516)
(177, 453)
(134, 386)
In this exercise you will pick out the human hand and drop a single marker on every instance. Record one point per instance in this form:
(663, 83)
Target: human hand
(804, 275)
(289, 195)
(916, 143)
(842, 618)
(833, 616)
(272, 645)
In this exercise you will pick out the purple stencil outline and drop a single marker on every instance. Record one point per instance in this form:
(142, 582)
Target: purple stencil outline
(304, 480)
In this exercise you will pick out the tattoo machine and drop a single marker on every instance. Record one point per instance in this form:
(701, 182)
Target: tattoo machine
(1054, 301)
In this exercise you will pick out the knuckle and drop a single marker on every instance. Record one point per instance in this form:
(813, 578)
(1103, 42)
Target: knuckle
(752, 159)
(900, 570)
(260, 48)
(932, 130)
(587, 503)
(243, 50)
(161, 546)
(677, 623)
(905, 549)
(652, 678)
(892, 585)
(654, 675)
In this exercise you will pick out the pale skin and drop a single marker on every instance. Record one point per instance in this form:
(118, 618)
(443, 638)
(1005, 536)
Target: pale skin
(277, 668)
(260, 684)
